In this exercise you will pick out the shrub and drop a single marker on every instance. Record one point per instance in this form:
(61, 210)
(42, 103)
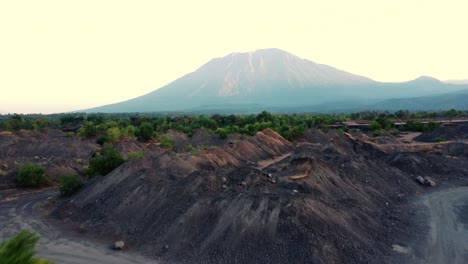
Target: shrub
(89, 130)
(69, 184)
(166, 141)
(113, 134)
(221, 132)
(20, 249)
(31, 175)
(105, 163)
(145, 132)
(101, 140)
(437, 139)
(129, 131)
(135, 155)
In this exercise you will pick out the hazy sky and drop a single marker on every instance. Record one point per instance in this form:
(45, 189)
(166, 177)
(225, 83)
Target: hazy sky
(67, 55)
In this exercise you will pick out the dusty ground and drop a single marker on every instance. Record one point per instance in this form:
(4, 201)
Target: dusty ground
(329, 199)
(441, 222)
(332, 199)
(59, 153)
(19, 212)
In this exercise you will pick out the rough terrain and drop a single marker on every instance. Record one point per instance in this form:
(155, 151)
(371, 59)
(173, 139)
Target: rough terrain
(329, 198)
(20, 212)
(59, 152)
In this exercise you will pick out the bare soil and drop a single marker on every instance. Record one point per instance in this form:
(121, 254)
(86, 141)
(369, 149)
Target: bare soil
(329, 199)
(333, 199)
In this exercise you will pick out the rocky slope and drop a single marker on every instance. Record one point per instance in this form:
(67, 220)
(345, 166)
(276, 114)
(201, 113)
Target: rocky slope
(330, 199)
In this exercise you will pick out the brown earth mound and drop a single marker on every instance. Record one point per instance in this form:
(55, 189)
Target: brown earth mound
(262, 200)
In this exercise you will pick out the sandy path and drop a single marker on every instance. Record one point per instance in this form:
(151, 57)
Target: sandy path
(448, 221)
(18, 214)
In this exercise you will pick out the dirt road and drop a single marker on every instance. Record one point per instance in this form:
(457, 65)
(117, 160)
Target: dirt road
(18, 214)
(447, 240)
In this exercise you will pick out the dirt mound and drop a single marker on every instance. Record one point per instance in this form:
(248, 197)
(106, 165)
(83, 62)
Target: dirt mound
(445, 132)
(200, 139)
(58, 152)
(258, 201)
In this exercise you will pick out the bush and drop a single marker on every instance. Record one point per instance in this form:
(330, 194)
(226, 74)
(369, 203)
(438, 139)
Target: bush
(20, 249)
(113, 134)
(105, 163)
(222, 133)
(145, 132)
(69, 184)
(31, 175)
(135, 155)
(166, 141)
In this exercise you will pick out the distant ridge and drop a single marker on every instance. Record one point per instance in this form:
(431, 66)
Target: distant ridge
(275, 80)
(457, 81)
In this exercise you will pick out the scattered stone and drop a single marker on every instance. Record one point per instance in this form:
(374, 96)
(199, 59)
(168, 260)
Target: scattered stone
(426, 181)
(273, 181)
(420, 180)
(225, 186)
(400, 249)
(36, 157)
(295, 191)
(119, 245)
(243, 183)
(429, 182)
(166, 247)
(224, 179)
(4, 167)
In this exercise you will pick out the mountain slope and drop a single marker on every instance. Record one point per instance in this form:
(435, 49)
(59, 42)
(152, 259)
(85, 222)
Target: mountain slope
(456, 100)
(269, 79)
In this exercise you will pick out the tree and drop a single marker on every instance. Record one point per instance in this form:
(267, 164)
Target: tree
(31, 175)
(113, 134)
(222, 132)
(20, 250)
(69, 184)
(146, 131)
(108, 161)
(166, 141)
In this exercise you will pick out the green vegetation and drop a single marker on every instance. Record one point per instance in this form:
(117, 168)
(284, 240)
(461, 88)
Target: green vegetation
(20, 250)
(145, 133)
(31, 175)
(104, 163)
(69, 184)
(135, 155)
(166, 141)
(146, 126)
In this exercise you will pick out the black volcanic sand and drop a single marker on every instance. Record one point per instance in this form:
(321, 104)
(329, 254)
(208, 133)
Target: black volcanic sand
(57, 151)
(445, 132)
(330, 199)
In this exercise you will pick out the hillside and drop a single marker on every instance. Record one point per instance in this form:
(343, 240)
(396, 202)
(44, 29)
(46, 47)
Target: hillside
(330, 199)
(455, 100)
(273, 80)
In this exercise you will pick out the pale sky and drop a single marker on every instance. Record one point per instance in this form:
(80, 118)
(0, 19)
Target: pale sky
(59, 55)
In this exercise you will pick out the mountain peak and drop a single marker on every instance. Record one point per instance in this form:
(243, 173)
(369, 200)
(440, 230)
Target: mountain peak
(426, 79)
(271, 78)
